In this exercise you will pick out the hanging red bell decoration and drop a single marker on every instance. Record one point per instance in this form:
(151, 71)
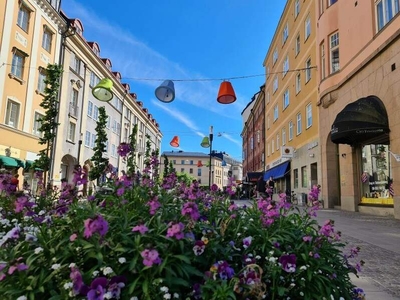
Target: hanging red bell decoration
(175, 142)
(199, 164)
(226, 94)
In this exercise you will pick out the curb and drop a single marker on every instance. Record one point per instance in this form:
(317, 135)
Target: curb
(371, 289)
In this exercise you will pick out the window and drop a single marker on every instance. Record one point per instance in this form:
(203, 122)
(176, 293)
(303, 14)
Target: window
(285, 34)
(190, 171)
(297, 46)
(334, 50)
(37, 124)
(322, 59)
(276, 113)
(331, 2)
(296, 178)
(12, 113)
(41, 78)
(307, 28)
(90, 109)
(76, 64)
(268, 123)
(252, 143)
(290, 130)
(93, 141)
(23, 18)
(198, 172)
(273, 146)
(268, 150)
(298, 118)
(95, 113)
(308, 70)
(283, 136)
(296, 8)
(71, 132)
(275, 56)
(309, 115)
(113, 150)
(108, 122)
(268, 96)
(385, 11)
(182, 162)
(87, 139)
(321, 6)
(275, 84)
(286, 99)
(18, 61)
(94, 80)
(304, 178)
(182, 170)
(47, 39)
(298, 83)
(285, 65)
(74, 97)
(277, 141)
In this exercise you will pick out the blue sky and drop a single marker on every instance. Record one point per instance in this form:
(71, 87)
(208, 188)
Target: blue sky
(186, 40)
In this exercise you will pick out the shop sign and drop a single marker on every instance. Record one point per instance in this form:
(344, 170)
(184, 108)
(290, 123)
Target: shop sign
(312, 145)
(9, 151)
(276, 162)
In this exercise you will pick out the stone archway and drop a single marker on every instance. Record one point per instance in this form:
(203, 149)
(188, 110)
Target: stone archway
(68, 163)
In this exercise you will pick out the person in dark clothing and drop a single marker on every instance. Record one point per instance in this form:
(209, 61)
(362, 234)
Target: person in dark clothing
(271, 186)
(261, 188)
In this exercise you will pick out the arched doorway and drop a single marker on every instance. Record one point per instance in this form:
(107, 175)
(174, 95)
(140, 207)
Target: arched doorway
(68, 163)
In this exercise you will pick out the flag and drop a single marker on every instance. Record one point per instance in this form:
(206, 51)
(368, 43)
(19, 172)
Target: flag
(364, 177)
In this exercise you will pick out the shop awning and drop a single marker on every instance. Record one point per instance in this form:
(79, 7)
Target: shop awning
(253, 176)
(277, 172)
(364, 121)
(6, 161)
(28, 164)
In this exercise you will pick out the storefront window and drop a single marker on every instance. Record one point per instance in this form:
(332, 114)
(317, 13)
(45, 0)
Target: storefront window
(376, 177)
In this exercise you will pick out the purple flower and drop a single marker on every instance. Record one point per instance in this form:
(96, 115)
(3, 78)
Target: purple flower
(288, 262)
(120, 192)
(19, 267)
(150, 257)
(154, 205)
(97, 224)
(198, 248)
(190, 209)
(307, 238)
(97, 289)
(247, 242)
(176, 230)
(77, 281)
(124, 149)
(223, 269)
(141, 228)
(115, 285)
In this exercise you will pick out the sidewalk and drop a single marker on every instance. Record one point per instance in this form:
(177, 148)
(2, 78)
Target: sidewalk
(371, 289)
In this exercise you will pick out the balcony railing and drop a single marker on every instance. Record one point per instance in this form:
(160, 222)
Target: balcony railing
(73, 110)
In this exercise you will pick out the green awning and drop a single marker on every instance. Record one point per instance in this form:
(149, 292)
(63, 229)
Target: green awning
(28, 164)
(21, 163)
(6, 161)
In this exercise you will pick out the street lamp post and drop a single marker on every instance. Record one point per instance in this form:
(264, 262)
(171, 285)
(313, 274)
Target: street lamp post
(79, 148)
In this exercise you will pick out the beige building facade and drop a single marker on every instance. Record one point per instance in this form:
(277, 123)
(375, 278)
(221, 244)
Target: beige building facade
(359, 56)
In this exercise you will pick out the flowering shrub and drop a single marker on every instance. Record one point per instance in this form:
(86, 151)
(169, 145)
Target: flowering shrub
(165, 239)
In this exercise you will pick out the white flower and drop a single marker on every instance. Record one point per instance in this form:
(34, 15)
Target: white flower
(122, 260)
(164, 289)
(95, 273)
(68, 285)
(134, 298)
(42, 212)
(273, 259)
(107, 271)
(108, 295)
(258, 257)
(303, 268)
(55, 266)
(38, 250)
(22, 298)
(301, 294)
(72, 265)
(176, 295)
(167, 296)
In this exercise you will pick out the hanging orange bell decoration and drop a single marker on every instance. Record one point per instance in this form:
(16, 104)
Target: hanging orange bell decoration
(175, 141)
(226, 94)
(199, 164)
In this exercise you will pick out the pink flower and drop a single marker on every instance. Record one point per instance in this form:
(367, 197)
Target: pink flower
(307, 238)
(97, 224)
(150, 257)
(141, 228)
(73, 237)
(176, 230)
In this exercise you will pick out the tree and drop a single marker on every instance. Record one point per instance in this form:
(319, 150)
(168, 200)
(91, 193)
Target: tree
(48, 123)
(99, 161)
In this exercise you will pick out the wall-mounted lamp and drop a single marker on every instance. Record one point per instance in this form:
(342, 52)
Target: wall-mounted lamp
(311, 155)
(344, 155)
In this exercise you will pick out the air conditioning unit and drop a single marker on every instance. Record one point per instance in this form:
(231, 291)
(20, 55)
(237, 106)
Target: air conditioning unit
(287, 152)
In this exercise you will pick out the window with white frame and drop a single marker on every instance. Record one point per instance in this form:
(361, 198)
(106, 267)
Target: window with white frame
(276, 113)
(285, 33)
(286, 99)
(275, 85)
(268, 122)
(87, 138)
(76, 64)
(308, 70)
(331, 2)
(309, 115)
(296, 8)
(113, 150)
(385, 11)
(285, 65)
(298, 123)
(41, 78)
(71, 132)
(275, 56)
(297, 46)
(321, 6)
(334, 51)
(283, 136)
(93, 141)
(252, 143)
(74, 97)
(268, 97)
(47, 39)
(23, 17)
(272, 146)
(90, 109)
(108, 122)
(37, 123)
(12, 113)
(95, 113)
(94, 80)
(277, 141)
(17, 66)
(298, 83)
(322, 59)
(268, 149)
(290, 130)
(307, 28)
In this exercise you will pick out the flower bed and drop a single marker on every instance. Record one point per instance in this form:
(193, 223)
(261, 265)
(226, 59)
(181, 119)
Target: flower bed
(167, 239)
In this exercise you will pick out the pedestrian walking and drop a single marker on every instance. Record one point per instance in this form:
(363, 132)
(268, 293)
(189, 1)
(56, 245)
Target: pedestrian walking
(271, 186)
